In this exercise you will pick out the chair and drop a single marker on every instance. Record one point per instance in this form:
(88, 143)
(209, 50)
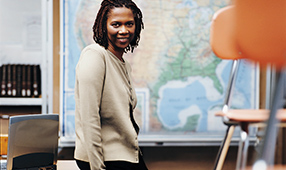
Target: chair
(33, 141)
(261, 36)
(237, 34)
(223, 46)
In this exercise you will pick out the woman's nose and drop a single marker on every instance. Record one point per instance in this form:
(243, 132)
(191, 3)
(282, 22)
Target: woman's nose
(123, 30)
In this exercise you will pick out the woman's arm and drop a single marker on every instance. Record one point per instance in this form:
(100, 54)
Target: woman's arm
(90, 76)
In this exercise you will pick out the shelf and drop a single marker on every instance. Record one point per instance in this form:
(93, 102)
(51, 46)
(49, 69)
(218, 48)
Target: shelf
(20, 101)
(31, 50)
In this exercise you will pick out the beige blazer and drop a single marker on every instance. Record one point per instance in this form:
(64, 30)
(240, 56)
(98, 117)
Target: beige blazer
(103, 123)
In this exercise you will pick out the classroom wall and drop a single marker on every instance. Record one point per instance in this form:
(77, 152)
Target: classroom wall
(167, 158)
(157, 158)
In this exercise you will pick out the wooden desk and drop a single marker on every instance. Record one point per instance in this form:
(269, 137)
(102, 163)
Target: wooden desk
(67, 165)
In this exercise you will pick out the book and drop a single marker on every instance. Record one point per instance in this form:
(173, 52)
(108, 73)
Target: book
(36, 81)
(23, 88)
(0, 78)
(9, 80)
(14, 80)
(29, 81)
(3, 80)
(18, 80)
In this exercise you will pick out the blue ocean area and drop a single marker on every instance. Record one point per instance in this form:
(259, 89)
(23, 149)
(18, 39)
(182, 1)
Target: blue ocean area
(243, 83)
(73, 50)
(70, 102)
(73, 53)
(70, 127)
(175, 100)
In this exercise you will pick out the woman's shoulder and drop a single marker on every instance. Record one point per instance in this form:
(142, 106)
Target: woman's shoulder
(92, 53)
(94, 47)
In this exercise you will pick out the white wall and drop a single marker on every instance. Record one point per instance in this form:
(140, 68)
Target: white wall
(20, 31)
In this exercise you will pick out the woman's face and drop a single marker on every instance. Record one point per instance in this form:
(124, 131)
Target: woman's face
(120, 29)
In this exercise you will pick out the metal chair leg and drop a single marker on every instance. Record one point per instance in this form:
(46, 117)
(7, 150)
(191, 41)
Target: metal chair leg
(267, 155)
(224, 148)
(242, 152)
(230, 127)
(243, 148)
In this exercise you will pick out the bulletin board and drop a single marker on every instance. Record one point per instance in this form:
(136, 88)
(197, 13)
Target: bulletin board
(179, 82)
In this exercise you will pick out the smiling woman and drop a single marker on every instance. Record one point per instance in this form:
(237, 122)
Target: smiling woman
(120, 30)
(106, 131)
(100, 29)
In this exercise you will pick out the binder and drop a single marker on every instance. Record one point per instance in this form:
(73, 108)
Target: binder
(3, 81)
(18, 80)
(29, 81)
(23, 89)
(9, 80)
(36, 81)
(14, 80)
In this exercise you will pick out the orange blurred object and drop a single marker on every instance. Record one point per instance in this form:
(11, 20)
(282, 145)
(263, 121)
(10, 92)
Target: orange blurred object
(261, 30)
(222, 34)
(3, 144)
(254, 30)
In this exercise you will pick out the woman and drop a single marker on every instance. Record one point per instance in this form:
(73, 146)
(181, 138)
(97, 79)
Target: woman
(106, 132)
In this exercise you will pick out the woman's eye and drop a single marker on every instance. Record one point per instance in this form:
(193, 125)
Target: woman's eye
(130, 24)
(116, 25)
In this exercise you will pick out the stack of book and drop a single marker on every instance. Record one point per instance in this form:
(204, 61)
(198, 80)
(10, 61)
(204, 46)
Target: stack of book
(20, 80)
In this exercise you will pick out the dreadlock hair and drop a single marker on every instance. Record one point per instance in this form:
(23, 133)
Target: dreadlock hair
(100, 28)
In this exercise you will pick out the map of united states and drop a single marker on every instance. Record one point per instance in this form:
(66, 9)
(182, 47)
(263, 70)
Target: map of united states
(179, 82)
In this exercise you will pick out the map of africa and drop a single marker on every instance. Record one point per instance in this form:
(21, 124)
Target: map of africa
(179, 82)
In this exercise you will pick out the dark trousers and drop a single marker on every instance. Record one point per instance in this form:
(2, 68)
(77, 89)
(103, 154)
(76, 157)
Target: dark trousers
(116, 165)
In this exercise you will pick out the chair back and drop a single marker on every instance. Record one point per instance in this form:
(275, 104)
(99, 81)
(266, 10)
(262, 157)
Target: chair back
(222, 35)
(261, 30)
(222, 41)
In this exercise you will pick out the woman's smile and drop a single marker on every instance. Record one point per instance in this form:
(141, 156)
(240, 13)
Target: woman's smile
(120, 29)
(123, 40)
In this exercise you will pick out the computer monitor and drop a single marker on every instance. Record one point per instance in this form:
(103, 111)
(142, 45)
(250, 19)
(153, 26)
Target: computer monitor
(33, 141)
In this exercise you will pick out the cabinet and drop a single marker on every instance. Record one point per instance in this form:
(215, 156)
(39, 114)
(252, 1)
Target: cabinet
(26, 37)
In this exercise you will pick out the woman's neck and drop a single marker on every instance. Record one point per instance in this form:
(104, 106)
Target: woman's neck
(117, 53)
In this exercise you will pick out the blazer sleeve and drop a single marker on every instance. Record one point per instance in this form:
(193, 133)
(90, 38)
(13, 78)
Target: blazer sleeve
(90, 74)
